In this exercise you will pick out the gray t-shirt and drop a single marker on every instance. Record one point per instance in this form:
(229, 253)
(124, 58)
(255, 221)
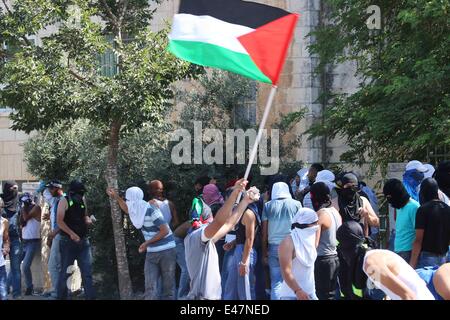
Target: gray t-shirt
(203, 266)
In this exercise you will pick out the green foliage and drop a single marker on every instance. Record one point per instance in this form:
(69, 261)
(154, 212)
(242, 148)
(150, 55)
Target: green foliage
(401, 107)
(60, 79)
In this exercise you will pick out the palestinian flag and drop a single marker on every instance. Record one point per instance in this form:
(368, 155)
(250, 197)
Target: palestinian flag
(239, 36)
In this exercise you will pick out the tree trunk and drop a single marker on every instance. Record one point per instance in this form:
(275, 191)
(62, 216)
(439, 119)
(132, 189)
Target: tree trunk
(123, 273)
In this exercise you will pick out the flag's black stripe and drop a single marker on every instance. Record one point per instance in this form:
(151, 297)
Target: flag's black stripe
(250, 14)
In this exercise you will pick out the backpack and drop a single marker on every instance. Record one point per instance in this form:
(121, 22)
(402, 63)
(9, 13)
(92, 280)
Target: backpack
(359, 276)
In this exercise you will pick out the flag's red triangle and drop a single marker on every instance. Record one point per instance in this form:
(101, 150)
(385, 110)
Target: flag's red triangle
(268, 45)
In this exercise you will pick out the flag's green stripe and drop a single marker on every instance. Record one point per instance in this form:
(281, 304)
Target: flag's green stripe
(210, 55)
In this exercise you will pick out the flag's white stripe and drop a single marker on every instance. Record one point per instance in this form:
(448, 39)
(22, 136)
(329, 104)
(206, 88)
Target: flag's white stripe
(210, 30)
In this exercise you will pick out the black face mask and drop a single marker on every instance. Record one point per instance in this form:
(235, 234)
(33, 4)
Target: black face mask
(348, 193)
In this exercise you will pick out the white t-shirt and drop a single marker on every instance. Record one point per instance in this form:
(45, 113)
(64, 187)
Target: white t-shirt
(165, 209)
(32, 230)
(408, 275)
(202, 262)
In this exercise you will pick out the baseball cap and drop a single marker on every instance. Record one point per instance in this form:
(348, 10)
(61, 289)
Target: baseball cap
(416, 165)
(54, 184)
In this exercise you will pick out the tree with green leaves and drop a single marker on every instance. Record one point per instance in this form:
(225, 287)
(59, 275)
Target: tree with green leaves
(65, 78)
(401, 108)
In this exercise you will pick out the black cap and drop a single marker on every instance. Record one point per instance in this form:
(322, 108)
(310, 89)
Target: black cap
(77, 186)
(54, 184)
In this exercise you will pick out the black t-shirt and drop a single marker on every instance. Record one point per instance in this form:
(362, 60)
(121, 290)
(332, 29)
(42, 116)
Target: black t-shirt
(434, 218)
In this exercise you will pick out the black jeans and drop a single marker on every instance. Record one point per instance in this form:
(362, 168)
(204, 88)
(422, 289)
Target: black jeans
(326, 269)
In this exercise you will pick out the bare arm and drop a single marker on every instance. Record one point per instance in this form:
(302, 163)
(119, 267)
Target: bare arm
(6, 245)
(378, 269)
(61, 213)
(233, 219)
(370, 215)
(173, 211)
(163, 231)
(225, 212)
(114, 195)
(286, 252)
(35, 213)
(417, 247)
(248, 220)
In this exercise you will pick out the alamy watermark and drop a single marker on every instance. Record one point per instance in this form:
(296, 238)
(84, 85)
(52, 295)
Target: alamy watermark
(373, 22)
(229, 147)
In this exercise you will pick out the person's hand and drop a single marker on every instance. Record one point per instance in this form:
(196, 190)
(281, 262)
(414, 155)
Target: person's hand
(240, 185)
(88, 220)
(243, 269)
(143, 248)
(112, 193)
(229, 245)
(74, 237)
(153, 202)
(301, 295)
(252, 195)
(5, 251)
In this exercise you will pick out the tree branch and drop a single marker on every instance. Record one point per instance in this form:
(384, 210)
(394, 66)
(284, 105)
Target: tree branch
(81, 78)
(27, 41)
(110, 14)
(123, 10)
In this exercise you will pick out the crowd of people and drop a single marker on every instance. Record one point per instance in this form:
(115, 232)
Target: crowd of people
(309, 237)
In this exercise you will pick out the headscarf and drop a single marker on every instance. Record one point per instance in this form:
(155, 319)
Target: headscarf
(411, 180)
(349, 199)
(303, 236)
(137, 207)
(211, 195)
(399, 197)
(350, 235)
(430, 171)
(442, 176)
(429, 190)
(10, 197)
(320, 196)
(303, 174)
(327, 177)
(280, 190)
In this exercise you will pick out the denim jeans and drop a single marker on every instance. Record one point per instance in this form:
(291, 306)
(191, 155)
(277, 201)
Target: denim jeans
(275, 272)
(54, 264)
(71, 251)
(238, 287)
(260, 276)
(391, 241)
(406, 255)
(30, 248)
(160, 264)
(14, 276)
(3, 283)
(427, 259)
(227, 267)
(184, 284)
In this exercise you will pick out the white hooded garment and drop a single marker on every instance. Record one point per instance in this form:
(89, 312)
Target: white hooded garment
(137, 207)
(305, 254)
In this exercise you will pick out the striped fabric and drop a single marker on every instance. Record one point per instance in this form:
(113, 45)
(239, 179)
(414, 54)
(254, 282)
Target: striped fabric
(152, 221)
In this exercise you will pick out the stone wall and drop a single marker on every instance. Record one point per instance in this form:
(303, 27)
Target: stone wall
(12, 165)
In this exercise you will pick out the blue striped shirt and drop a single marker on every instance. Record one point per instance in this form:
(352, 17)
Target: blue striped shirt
(152, 221)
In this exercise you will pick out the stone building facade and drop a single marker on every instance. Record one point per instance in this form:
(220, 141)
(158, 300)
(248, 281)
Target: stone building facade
(299, 87)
